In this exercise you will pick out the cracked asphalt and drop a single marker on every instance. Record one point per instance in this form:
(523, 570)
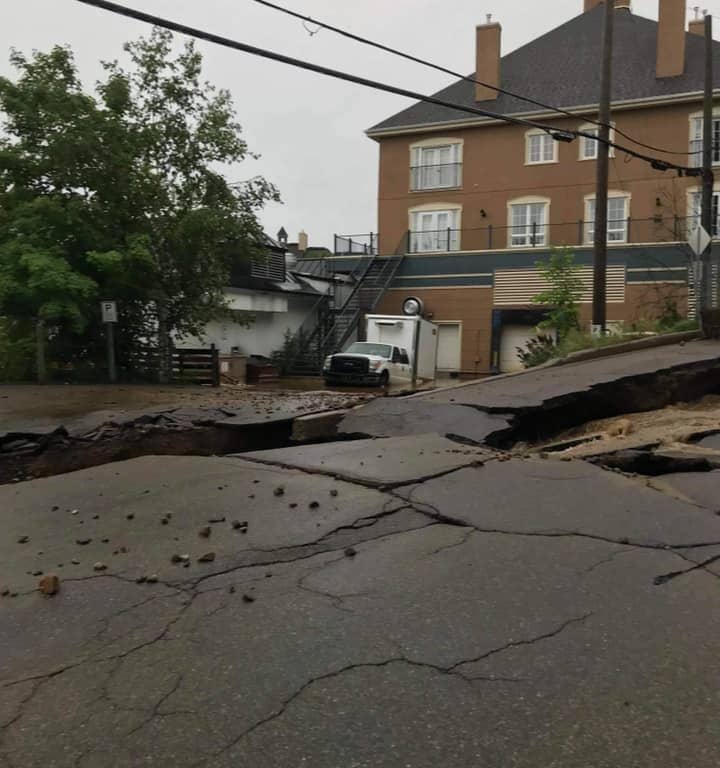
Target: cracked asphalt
(408, 602)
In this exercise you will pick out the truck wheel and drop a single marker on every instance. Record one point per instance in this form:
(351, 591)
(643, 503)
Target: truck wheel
(384, 379)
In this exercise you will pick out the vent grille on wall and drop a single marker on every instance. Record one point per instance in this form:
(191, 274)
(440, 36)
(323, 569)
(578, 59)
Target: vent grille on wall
(268, 267)
(518, 286)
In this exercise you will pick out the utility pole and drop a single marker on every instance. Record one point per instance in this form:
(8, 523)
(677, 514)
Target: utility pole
(599, 314)
(704, 290)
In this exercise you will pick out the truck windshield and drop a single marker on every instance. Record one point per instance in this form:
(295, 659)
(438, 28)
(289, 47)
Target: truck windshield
(367, 348)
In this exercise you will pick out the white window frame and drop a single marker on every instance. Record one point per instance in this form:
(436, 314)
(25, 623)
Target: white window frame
(438, 243)
(418, 149)
(694, 207)
(545, 137)
(615, 233)
(696, 138)
(514, 238)
(584, 142)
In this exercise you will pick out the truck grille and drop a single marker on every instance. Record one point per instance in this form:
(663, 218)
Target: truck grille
(353, 365)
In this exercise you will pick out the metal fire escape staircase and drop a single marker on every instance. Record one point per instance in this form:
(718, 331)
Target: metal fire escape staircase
(333, 321)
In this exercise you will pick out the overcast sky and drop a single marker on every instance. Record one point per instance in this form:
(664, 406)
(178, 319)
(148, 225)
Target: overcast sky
(308, 129)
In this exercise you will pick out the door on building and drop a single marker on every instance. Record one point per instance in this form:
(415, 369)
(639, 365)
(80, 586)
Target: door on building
(514, 336)
(449, 347)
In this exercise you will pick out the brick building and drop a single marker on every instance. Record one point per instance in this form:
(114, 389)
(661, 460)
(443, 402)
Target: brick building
(468, 205)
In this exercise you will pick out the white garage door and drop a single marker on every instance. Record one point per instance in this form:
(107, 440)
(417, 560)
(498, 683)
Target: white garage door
(448, 356)
(514, 336)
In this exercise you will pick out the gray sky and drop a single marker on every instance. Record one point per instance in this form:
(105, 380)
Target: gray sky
(308, 129)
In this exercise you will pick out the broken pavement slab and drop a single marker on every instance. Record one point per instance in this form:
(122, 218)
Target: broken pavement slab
(511, 650)
(194, 490)
(701, 488)
(386, 462)
(558, 498)
(534, 388)
(395, 417)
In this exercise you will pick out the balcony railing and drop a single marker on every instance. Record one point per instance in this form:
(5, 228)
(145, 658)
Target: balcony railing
(356, 245)
(579, 233)
(659, 229)
(444, 176)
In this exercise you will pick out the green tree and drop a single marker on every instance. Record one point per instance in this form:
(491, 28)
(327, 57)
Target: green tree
(119, 195)
(46, 168)
(194, 225)
(563, 293)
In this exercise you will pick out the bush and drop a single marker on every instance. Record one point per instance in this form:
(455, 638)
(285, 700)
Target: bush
(537, 351)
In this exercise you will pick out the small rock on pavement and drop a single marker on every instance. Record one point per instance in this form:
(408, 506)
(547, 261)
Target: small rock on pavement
(23, 540)
(314, 504)
(130, 516)
(334, 492)
(248, 599)
(49, 584)
(75, 561)
(279, 491)
(99, 567)
(216, 520)
(350, 552)
(5, 592)
(152, 579)
(205, 532)
(207, 558)
(83, 542)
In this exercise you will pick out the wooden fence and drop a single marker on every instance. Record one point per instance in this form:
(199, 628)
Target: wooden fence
(196, 366)
(189, 365)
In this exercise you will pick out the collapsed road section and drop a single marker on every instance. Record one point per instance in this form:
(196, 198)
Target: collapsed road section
(264, 420)
(539, 403)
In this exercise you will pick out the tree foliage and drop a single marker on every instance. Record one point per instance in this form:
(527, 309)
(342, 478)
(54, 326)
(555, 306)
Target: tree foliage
(120, 194)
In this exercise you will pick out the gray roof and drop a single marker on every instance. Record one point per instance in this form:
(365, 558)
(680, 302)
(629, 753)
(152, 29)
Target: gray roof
(562, 67)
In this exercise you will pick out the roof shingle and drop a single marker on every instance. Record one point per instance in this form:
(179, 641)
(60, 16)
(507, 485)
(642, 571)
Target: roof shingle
(561, 68)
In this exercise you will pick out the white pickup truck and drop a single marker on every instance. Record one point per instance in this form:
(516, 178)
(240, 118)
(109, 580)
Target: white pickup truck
(366, 362)
(387, 355)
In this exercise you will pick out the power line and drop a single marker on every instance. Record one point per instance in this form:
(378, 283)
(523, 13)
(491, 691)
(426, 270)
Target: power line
(559, 135)
(466, 78)
(282, 58)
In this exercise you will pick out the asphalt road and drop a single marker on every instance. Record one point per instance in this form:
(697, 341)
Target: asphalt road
(404, 603)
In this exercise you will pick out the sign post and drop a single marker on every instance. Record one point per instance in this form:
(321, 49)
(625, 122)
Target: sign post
(109, 316)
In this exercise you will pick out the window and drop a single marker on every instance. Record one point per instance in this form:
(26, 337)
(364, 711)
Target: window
(434, 231)
(696, 212)
(404, 359)
(436, 167)
(541, 148)
(696, 140)
(618, 212)
(589, 147)
(528, 223)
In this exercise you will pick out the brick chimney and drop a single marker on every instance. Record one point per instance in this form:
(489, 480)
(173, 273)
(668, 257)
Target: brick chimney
(590, 4)
(697, 25)
(671, 39)
(488, 59)
(302, 241)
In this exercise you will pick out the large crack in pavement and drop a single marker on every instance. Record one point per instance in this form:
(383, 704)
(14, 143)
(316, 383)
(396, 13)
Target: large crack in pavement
(451, 669)
(677, 549)
(361, 531)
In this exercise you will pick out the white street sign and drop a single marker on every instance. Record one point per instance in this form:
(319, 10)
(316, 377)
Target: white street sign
(109, 311)
(699, 240)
